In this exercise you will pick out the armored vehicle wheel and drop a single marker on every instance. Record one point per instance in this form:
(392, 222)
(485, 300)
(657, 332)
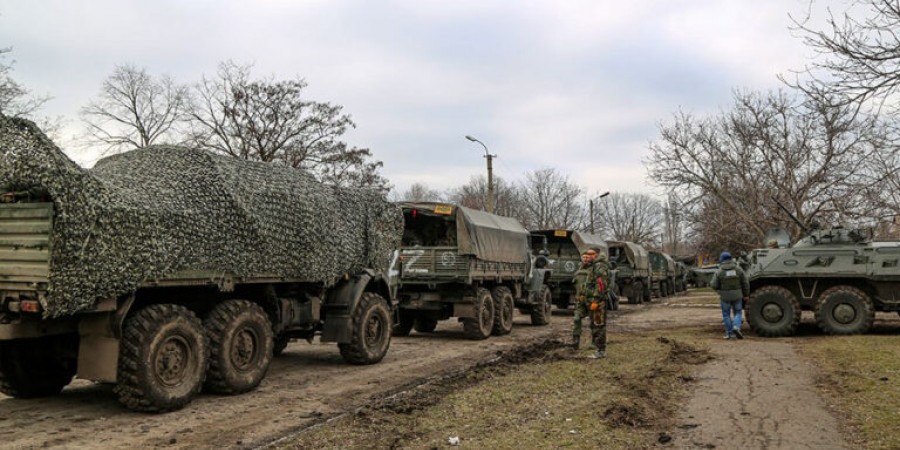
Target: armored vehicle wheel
(281, 343)
(39, 367)
(480, 326)
(240, 346)
(504, 305)
(424, 325)
(773, 311)
(162, 359)
(372, 326)
(541, 312)
(844, 310)
(405, 322)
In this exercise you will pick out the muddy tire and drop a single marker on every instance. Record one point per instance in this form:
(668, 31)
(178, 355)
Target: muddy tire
(646, 297)
(405, 322)
(844, 310)
(504, 306)
(163, 359)
(541, 312)
(480, 326)
(280, 344)
(240, 346)
(39, 367)
(773, 311)
(372, 329)
(424, 325)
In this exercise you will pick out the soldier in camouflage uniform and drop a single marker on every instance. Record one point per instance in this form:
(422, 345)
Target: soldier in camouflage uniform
(591, 281)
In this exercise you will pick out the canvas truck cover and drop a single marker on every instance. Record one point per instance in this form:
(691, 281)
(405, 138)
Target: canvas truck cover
(635, 253)
(153, 212)
(582, 240)
(484, 235)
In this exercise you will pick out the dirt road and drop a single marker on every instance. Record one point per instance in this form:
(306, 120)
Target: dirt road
(311, 382)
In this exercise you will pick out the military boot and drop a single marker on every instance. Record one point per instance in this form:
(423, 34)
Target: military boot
(576, 342)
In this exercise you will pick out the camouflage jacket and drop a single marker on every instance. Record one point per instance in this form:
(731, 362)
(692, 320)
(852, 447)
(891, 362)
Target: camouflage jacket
(588, 280)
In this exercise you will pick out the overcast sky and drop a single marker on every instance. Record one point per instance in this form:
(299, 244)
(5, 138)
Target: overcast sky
(577, 85)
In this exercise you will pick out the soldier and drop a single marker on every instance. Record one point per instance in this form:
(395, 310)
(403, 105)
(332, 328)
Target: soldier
(591, 293)
(733, 287)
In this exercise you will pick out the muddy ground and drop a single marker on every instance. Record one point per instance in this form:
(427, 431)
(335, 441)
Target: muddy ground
(734, 393)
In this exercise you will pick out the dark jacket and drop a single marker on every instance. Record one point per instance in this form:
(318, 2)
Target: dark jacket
(730, 282)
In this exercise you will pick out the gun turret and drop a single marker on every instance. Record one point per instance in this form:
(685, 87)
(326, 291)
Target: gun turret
(803, 227)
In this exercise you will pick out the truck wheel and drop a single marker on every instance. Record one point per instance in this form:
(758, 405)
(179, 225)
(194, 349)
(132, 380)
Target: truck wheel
(281, 343)
(773, 311)
(162, 359)
(646, 297)
(844, 310)
(480, 326)
(371, 331)
(504, 305)
(540, 313)
(241, 346)
(405, 322)
(424, 325)
(39, 367)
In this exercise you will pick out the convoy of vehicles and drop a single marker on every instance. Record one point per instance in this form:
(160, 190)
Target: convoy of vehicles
(662, 274)
(633, 270)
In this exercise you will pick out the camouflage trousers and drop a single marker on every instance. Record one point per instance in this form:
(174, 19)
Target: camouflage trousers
(598, 330)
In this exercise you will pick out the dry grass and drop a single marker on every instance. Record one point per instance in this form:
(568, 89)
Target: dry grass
(860, 378)
(559, 400)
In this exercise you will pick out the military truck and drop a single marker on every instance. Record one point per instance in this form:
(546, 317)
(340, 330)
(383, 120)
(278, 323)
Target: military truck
(633, 270)
(473, 265)
(662, 274)
(564, 249)
(839, 274)
(167, 270)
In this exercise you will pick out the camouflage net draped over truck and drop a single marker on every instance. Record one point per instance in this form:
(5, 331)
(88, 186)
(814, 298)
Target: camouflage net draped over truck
(153, 212)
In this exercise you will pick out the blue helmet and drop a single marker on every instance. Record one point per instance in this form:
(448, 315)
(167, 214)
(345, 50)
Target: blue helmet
(725, 256)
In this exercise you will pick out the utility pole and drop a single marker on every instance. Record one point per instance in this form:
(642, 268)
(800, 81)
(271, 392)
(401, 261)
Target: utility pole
(490, 173)
(591, 208)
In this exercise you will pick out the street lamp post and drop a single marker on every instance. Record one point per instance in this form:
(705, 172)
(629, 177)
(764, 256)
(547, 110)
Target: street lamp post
(490, 173)
(591, 207)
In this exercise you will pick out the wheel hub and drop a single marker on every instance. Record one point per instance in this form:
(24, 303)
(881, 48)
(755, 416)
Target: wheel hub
(243, 349)
(374, 329)
(171, 361)
(772, 312)
(844, 313)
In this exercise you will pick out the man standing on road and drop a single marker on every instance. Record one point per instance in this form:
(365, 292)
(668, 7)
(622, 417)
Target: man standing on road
(591, 281)
(733, 287)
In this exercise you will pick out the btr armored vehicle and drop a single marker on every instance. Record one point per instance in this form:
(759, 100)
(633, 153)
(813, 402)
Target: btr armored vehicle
(469, 264)
(564, 249)
(633, 270)
(837, 273)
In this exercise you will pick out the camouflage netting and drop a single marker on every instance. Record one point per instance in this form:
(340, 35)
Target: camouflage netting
(151, 212)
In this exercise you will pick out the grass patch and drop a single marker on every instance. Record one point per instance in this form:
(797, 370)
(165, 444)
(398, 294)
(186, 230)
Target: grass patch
(549, 398)
(860, 376)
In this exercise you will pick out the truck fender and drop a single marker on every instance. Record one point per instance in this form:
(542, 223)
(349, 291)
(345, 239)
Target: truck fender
(342, 299)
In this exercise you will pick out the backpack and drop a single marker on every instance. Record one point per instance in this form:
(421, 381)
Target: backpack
(729, 280)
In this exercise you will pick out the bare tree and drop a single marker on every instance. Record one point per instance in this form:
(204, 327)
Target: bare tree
(550, 200)
(474, 194)
(272, 121)
(860, 49)
(418, 192)
(631, 217)
(806, 151)
(135, 109)
(15, 99)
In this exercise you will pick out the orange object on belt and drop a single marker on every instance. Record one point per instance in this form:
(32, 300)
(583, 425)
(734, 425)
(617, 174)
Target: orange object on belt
(595, 306)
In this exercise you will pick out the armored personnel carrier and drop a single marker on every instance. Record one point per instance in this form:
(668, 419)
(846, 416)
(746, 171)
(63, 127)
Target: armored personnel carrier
(837, 273)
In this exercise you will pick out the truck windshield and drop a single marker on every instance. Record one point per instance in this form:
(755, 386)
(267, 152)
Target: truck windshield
(428, 230)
